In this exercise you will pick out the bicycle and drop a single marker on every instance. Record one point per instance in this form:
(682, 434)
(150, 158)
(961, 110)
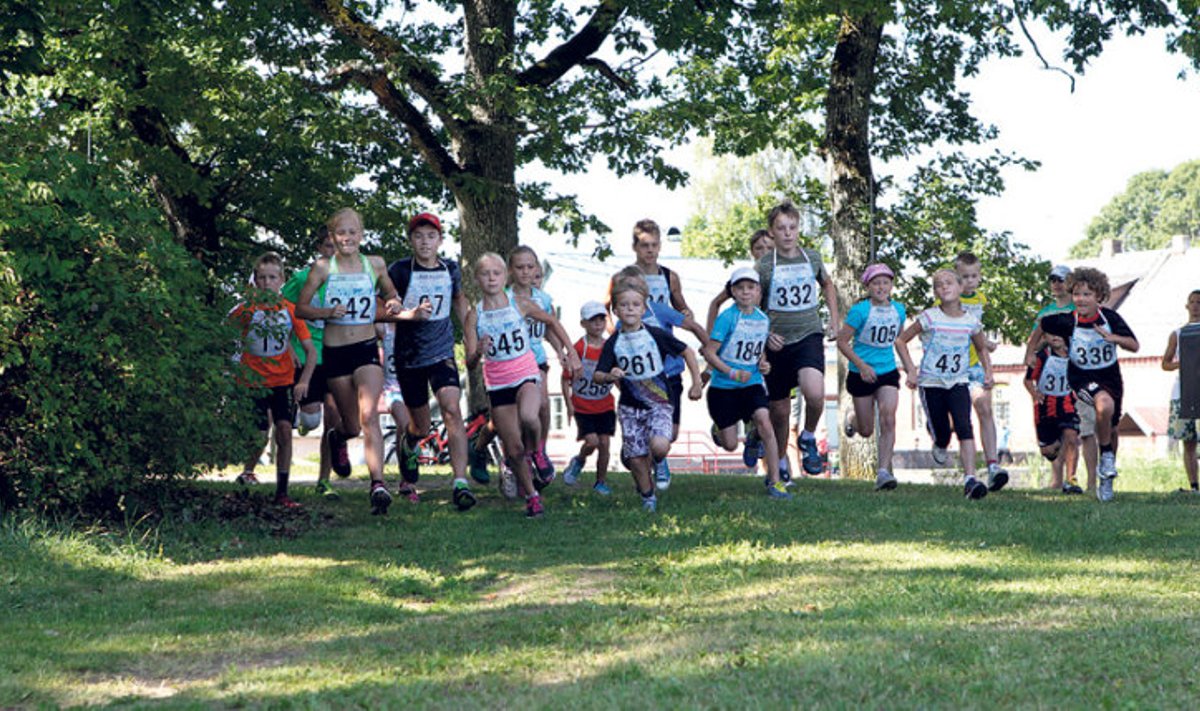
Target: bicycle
(434, 448)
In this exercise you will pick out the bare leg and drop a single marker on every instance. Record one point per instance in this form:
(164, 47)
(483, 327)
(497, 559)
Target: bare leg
(456, 433)
(966, 453)
(762, 420)
(508, 426)
(812, 386)
(981, 399)
(888, 399)
(369, 382)
(1091, 459)
(1189, 462)
(602, 455)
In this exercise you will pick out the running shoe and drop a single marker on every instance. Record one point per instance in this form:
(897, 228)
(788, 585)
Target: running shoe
(380, 498)
(997, 477)
(715, 433)
(785, 471)
(975, 489)
(409, 492)
(533, 508)
(284, 501)
(462, 496)
(572, 472)
(326, 491)
(1108, 464)
(543, 467)
(811, 461)
(1072, 488)
(1106, 472)
(339, 453)
(779, 491)
(940, 455)
(508, 482)
(884, 481)
(848, 426)
(650, 503)
(478, 464)
(753, 450)
(246, 479)
(410, 466)
(662, 475)
(602, 489)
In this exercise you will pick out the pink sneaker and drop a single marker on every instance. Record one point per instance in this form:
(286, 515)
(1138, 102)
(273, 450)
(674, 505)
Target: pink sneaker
(409, 492)
(533, 507)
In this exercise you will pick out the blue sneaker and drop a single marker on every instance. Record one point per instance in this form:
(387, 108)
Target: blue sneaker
(785, 471)
(602, 488)
(572, 472)
(779, 491)
(662, 475)
(753, 451)
(650, 503)
(478, 464)
(811, 461)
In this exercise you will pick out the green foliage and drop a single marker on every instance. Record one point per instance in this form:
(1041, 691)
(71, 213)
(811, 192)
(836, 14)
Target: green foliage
(1155, 206)
(114, 364)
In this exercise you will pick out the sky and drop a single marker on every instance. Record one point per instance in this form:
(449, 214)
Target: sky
(1129, 113)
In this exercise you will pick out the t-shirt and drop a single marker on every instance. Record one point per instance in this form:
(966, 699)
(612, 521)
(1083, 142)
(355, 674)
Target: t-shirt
(875, 332)
(1093, 360)
(422, 343)
(743, 338)
(659, 285)
(973, 305)
(664, 316)
(641, 354)
(946, 341)
(791, 288)
(1050, 376)
(589, 397)
(291, 292)
(266, 329)
(1052, 308)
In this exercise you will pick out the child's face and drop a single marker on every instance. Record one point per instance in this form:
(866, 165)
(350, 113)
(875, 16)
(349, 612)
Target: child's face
(646, 246)
(1193, 307)
(538, 276)
(1056, 343)
(630, 307)
(879, 289)
(594, 326)
(524, 269)
(746, 292)
(970, 276)
(327, 248)
(761, 247)
(1086, 301)
(785, 231)
(946, 287)
(1058, 287)
(490, 276)
(426, 240)
(269, 277)
(347, 234)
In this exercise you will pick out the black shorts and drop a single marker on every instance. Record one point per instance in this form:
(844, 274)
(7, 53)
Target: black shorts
(508, 396)
(415, 383)
(341, 361)
(857, 387)
(786, 363)
(675, 390)
(317, 388)
(1049, 429)
(275, 405)
(728, 406)
(603, 423)
(1088, 391)
(544, 367)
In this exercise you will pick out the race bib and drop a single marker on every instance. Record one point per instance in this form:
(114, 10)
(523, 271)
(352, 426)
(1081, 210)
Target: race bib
(660, 288)
(638, 355)
(585, 389)
(268, 334)
(946, 355)
(1053, 380)
(354, 291)
(430, 287)
(793, 288)
(881, 327)
(1090, 351)
(746, 342)
(506, 327)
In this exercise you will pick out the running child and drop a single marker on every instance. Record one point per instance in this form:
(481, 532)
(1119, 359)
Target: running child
(1054, 413)
(590, 403)
(393, 399)
(663, 283)
(353, 373)
(947, 332)
(872, 378)
(968, 268)
(317, 405)
(424, 353)
(1093, 333)
(1184, 430)
(736, 351)
(634, 358)
(268, 323)
(793, 278)
(496, 331)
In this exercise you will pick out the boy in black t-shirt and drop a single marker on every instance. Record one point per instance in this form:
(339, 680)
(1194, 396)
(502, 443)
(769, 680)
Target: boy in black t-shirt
(1054, 412)
(1093, 333)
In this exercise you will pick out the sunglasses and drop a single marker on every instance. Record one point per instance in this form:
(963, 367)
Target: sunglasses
(1056, 280)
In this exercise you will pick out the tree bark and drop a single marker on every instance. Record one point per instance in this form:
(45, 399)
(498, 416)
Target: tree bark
(852, 193)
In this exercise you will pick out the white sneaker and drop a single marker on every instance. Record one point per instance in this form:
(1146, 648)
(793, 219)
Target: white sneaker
(1108, 464)
(996, 478)
(940, 455)
(884, 481)
(1104, 488)
(508, 482)
(1107, 471)
(650, 503)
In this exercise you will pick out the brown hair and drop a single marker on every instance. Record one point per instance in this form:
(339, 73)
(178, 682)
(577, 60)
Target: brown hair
(647, 226)
(620, 286)
(521, 249)
(758, 235)
(339, 215)
(787, 207)
(1095, 280)
(268, 258)
(966, 259)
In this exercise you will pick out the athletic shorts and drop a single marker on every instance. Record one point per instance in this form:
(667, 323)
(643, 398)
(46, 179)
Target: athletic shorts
(638, 425)
(1182, 428)
(508, 396)
(975, 376)
(1049, 429)
(857, 387)
(1088, 392)
(544, 367)
(1087, 418)
(601, 423)
(341, 361)
(392, 394)
(415, 383)
(317, 388)
(275, 405)
(786, 363)
(675, 390)
(729, 406)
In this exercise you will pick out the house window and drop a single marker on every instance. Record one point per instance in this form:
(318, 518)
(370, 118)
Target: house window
(558, 413)
(1001, 407)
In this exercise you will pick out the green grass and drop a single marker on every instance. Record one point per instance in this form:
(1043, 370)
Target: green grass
(725, 599)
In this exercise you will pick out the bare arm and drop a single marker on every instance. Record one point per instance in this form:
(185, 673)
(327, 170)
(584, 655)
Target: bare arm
(304, 307)
(697, 389)
(554, 328)
(985, 358)
(472, 346)
(1169, 360)
(831, 300)
(1031, 345)
(844, 338)
(914, 329)
(677, 296)
(714, 309)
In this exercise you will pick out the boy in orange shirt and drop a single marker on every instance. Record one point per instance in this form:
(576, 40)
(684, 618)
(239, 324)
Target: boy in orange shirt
(268, 322)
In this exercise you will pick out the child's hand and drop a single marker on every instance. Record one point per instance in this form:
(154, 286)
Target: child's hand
(774, 341)
(616, 374)
(739, 375)
(485, 345)
(696, 391)
(868, 374)
(1041, 399)
(423, 311)
(988, 381)
(706, 375)
(1105, 333)
(338, 311)
(393, 306)
(764, 365)
(991, 345)
(1031, 361)
(300, 390)
(573, 364)
(911, 373)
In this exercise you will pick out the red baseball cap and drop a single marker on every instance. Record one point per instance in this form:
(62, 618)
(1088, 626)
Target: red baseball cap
(424, 218)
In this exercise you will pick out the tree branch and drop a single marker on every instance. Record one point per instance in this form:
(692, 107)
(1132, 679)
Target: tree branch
(574, 51)
(608, 73)
(1037, 50)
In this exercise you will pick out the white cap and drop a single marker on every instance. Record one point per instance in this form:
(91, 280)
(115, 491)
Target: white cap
(743, 273)
(1061, 271)
(591, 310)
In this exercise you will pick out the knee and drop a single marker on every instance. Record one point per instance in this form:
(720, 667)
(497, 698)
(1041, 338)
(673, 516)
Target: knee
(591, 440)
(659, 447)
(887, 420)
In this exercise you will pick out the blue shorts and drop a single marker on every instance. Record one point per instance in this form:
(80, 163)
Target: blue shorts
(975, 376)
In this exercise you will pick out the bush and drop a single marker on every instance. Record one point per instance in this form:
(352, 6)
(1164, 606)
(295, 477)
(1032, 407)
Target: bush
(114, 365)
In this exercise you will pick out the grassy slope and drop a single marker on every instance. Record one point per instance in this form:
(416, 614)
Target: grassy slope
(723, 599)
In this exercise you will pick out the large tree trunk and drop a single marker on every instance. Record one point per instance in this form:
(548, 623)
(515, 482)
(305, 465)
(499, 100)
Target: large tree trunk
(851, 192)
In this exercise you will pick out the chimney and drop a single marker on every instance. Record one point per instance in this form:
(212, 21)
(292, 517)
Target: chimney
(1110, 246)
(1180, 244)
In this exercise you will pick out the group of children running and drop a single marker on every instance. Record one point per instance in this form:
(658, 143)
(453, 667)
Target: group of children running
(359, 328)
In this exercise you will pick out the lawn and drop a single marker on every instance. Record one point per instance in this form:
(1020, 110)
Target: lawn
(723, 599)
